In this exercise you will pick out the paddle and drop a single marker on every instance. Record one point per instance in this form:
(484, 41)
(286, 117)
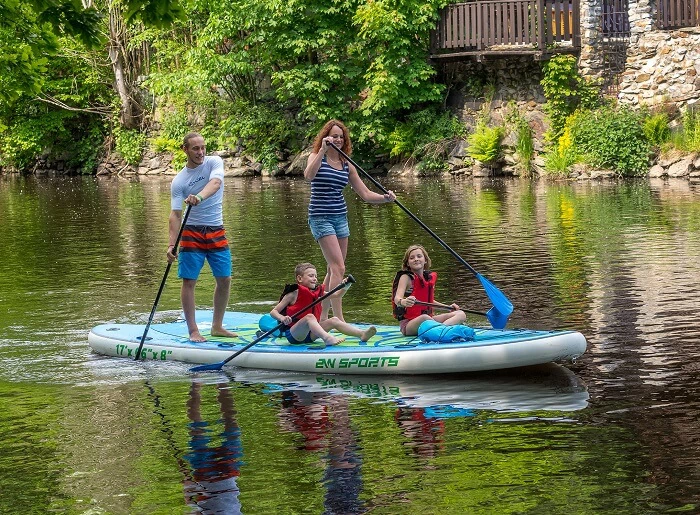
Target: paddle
(162, 283)
(502, 307)
(349, 280)
(440, 305)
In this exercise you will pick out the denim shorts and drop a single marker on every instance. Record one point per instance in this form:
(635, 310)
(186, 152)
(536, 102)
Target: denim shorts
(329, 225)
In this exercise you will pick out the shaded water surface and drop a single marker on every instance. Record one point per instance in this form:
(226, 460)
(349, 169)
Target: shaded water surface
(615, 432)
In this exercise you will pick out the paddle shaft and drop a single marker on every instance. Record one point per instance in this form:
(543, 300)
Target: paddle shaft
(439, 305)
(344, 285)
(406, 210)
(162, 283)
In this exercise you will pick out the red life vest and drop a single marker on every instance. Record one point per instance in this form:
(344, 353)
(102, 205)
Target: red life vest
(423, 290)
(304, 298)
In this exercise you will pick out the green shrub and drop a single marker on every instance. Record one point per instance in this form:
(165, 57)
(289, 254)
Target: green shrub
(688, 137)
(264, 129)
(565, 91)
(130, 144)
(611, 138)
(524, 139)
(656, 129)
(485, 143)
(425, 136)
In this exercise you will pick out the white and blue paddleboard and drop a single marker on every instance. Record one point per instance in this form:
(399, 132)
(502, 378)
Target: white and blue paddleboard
(388, 352)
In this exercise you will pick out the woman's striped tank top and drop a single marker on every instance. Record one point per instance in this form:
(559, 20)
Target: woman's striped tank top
(327, 190)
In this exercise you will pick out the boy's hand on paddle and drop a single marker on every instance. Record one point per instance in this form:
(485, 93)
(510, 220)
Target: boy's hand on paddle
(172, 254)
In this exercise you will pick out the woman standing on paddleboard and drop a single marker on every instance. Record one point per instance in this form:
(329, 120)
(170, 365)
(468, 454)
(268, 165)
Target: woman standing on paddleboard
(329, 173)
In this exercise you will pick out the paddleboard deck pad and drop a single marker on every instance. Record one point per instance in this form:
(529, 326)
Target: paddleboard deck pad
(388, 352)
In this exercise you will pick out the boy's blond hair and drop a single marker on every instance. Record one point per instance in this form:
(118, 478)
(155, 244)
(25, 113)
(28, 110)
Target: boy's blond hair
(404, 264)
(301, 268)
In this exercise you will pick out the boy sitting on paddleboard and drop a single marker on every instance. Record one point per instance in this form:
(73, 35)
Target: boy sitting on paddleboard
(297, 297)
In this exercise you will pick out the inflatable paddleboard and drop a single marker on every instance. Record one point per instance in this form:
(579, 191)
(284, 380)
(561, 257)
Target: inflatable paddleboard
(387, 353)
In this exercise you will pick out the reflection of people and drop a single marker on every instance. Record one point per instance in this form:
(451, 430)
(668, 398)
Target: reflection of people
(324, 422)
(424, 433)
(329, 173)
(213, 487)
(415, 282)
(201, 185)
(308, 327)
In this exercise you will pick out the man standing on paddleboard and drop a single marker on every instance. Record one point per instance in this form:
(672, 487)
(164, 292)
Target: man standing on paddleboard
(200, 184)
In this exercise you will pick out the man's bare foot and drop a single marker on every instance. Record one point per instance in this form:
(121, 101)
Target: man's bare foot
(333, 341)
(223, 332)
(368, 333)
(195, 336)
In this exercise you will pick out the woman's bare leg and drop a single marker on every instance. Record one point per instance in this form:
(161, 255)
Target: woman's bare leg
(334, 251)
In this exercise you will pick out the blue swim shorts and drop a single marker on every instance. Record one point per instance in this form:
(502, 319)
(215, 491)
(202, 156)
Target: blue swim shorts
(199, 243)
(329, 225)
(290, 338)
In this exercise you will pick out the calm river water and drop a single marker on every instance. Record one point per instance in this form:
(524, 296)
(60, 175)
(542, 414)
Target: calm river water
(615, 432)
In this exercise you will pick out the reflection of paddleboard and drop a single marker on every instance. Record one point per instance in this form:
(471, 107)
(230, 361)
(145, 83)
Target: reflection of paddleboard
(549, 387)
(389, 352)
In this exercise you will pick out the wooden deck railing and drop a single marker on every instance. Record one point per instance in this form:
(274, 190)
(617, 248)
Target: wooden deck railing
(674, 14)
(479, 25)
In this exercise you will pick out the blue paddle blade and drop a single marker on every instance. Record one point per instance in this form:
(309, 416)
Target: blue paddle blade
(207, 368)
(502, 307)
(497, 319)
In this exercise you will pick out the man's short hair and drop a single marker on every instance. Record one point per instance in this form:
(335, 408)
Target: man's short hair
(188, 137)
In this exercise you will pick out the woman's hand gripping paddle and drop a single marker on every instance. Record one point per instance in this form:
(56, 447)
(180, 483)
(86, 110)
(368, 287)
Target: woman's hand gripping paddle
(162, 283)
(347, 282)
(502, 307)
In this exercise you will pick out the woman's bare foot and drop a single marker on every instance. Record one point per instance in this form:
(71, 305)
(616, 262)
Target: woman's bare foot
(333, 341)
(223, 332)
(196, 336)
(368, 333)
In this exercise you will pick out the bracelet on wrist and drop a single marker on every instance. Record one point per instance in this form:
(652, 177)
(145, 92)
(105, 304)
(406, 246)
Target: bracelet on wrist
(199, 197)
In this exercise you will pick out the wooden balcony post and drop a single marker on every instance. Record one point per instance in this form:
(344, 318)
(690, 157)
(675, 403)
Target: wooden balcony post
(541, 27)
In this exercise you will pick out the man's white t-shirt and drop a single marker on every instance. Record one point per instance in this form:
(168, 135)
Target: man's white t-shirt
(191, 181)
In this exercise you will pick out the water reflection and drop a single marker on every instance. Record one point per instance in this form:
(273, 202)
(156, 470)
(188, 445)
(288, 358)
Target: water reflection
(549, 387)
(213, 458)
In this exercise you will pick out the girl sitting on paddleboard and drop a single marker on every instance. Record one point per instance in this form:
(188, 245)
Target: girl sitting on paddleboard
(297, 297)
(415, 284)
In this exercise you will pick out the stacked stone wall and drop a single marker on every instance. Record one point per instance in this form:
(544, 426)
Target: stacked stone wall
(663, 67)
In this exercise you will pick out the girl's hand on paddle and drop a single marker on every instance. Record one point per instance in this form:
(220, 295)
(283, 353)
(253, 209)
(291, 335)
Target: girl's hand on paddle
(287, 320)
(389, 196)
(408, 301)
(454, 306)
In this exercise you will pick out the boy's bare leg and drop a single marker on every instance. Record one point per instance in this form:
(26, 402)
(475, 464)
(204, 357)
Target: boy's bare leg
(318, 331)
(350, 330)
